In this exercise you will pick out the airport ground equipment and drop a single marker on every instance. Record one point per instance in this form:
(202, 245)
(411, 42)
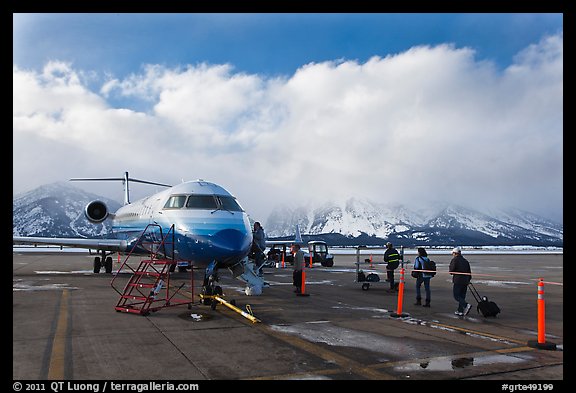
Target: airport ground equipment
(317, 253)
(214, 300)
(399, 313)
(279, 255)
(541, 343)
(365, 279)
(303, 285)
(371, 278)
(149, 288)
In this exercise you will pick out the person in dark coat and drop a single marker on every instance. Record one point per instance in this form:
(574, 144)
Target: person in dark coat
(299, 266)
(423, 278)
(461, 276)
(258, 246)
(392, 258)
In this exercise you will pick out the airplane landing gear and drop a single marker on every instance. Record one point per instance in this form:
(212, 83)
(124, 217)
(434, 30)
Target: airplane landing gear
(97, 265)
(209, 287)
(107, 263)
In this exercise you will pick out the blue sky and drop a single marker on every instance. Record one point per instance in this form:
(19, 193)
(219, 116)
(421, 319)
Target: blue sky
(262, 43)
(231, 84)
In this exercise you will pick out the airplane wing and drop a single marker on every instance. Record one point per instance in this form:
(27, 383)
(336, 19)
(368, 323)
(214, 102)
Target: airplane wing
(95, 244)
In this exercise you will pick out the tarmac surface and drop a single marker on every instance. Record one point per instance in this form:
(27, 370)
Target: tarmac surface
(65, 326)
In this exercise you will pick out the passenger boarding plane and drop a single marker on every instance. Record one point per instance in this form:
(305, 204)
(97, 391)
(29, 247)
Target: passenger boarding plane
(211, 230)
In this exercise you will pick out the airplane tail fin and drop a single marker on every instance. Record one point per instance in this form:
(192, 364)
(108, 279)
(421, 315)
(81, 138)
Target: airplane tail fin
(125, 180)
(298, 236)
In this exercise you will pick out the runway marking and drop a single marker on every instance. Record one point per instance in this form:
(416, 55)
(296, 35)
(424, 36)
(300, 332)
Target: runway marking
(481, 334)
(301, 375)
(58, 354)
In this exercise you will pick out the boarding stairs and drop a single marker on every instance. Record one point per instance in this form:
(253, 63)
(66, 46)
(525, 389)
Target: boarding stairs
(149, 287)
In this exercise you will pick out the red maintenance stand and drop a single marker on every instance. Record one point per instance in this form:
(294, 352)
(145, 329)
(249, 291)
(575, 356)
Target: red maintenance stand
(148, 289)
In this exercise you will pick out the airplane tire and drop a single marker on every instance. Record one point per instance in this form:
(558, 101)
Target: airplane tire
(108, 265)
(97, 265)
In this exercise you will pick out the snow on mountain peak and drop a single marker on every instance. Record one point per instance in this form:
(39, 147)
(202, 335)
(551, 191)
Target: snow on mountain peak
(56, 210)
(355, 217)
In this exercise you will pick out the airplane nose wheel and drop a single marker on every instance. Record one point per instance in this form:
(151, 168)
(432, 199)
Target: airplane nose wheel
(211, 289)
(218, 292)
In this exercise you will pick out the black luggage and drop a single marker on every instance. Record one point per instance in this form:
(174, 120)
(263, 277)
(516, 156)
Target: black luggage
(373, 277)
(486, 307)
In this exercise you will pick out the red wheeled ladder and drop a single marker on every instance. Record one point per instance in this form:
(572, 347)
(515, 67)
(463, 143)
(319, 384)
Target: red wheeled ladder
(148, 289)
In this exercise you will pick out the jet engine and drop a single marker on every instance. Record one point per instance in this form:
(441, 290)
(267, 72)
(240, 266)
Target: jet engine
(96, 212)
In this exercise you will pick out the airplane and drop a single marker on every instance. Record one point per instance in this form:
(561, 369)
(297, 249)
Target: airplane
(211, 229)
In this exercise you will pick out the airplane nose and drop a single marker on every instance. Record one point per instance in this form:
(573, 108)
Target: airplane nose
(231, 243)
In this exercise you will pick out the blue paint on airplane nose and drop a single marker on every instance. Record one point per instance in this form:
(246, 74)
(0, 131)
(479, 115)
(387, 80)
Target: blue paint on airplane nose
(231, 244)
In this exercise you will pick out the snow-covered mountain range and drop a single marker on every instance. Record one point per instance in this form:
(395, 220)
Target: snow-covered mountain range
(57, 210)
(367, 222)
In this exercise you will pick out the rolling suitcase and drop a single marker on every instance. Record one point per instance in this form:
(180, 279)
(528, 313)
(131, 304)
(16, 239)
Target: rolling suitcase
(486, 307)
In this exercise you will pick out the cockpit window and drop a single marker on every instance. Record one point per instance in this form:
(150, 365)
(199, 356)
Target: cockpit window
(201, 202)
(230, 204)
(175, 202)
(206, 202)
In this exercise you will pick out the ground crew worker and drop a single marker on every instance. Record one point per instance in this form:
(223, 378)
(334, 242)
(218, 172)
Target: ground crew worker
(392, 257)
(298, 267)
(258, 246)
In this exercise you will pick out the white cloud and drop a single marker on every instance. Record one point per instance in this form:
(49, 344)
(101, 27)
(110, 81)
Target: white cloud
(428, 123)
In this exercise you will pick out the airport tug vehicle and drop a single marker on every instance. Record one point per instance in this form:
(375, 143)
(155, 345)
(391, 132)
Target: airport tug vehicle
(317, 249)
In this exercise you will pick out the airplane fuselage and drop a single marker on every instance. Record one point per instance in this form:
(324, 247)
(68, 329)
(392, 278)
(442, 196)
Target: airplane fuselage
(209, 224)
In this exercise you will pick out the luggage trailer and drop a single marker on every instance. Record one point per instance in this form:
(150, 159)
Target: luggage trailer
(371, 278)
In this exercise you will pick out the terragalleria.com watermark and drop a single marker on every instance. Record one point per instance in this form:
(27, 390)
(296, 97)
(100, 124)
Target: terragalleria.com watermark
(105, 386)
